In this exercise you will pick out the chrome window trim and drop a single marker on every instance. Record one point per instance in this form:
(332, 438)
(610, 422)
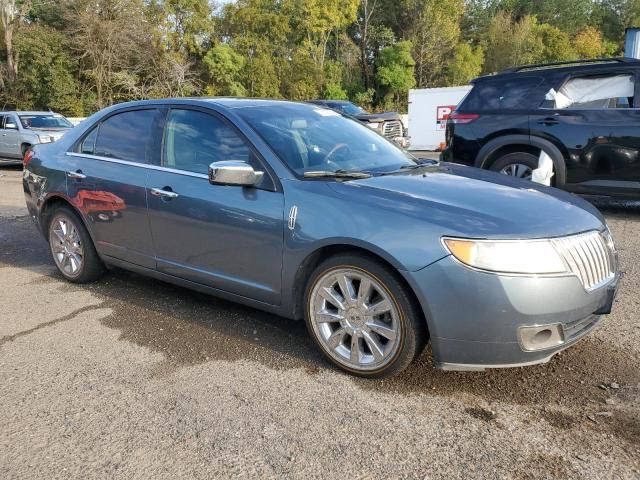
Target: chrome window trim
(141, 165)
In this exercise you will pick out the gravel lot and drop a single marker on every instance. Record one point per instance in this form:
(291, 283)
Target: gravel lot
(133, 378)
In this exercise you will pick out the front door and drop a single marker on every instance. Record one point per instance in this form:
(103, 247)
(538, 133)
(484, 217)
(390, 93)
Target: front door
(226, 237)
(596, 119)
(11, 144)
(107, 178)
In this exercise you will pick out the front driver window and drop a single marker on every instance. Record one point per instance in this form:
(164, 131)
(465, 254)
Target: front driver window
(194, 139)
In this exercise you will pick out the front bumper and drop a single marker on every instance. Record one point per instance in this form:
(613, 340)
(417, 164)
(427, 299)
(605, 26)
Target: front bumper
(476, 319)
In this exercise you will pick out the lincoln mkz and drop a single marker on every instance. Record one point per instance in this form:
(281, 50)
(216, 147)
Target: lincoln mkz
(296, 210)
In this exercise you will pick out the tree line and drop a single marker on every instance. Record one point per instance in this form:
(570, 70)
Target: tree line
(77, 56)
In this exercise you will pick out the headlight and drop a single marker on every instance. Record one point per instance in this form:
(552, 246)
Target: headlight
(45, 138)
(507, 256)
(373, 125)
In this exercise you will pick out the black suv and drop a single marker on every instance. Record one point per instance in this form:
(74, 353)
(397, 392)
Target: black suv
(584, 115)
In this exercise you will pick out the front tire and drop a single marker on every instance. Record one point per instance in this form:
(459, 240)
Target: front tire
(72, 248)
(362, 317)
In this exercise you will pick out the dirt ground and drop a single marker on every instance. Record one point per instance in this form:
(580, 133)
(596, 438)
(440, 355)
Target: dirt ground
(134, 378)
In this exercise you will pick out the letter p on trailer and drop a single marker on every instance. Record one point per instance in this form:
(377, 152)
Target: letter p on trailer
(429, 109)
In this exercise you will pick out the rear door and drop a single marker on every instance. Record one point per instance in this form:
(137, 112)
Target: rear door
(597, 120)
(106, 181)
(226, 237)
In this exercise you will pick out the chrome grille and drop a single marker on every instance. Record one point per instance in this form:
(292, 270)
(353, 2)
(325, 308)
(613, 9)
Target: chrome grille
(392, 129)
(589, 256)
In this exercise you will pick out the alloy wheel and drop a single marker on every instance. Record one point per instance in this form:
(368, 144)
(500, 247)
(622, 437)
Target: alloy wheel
(355, 318)
(66, 245)
(518, 170)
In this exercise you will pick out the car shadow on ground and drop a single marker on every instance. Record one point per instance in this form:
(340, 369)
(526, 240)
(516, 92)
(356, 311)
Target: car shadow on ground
(190, 328)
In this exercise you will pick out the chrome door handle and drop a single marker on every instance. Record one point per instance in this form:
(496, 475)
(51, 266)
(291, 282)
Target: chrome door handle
(77, 175)
(159, 192)
(549, 121)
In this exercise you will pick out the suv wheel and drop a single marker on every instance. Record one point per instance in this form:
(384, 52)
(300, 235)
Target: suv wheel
(362, 317)
(72, 249)
(516, 164)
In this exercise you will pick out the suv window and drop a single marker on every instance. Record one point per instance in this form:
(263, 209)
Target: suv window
(594, 92)
(193, 140)
(125, 136)
(2, 118)
(502, 94)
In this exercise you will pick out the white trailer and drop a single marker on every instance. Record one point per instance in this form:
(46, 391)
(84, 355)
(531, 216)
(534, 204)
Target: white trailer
(429, 109)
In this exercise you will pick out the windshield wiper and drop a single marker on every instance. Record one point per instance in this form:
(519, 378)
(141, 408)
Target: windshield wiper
(421, 162)
(336, 174)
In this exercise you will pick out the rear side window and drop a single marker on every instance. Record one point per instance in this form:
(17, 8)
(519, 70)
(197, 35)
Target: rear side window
(2, 118)
(125, 136)
(500, 94)
(594, 93)
(89, 143)
(194, 139)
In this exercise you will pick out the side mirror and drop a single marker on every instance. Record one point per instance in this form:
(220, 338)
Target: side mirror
(10, 126)
(234, 172)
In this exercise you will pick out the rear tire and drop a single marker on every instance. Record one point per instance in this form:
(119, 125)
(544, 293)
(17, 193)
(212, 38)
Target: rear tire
(373, 330)
(71, 247)
(516, 164)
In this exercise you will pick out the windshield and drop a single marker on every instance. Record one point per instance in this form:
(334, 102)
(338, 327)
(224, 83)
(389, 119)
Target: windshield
(45, 121)
(309, 138)
(349, 108)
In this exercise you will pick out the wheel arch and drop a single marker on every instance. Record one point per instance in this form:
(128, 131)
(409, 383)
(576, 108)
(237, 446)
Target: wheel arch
(313, 259)
(499, 146)
(49, 205)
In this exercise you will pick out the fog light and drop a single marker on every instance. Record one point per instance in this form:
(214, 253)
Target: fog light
(540, 337)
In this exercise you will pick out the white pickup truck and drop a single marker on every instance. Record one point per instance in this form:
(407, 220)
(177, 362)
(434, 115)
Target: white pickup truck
(20, 130)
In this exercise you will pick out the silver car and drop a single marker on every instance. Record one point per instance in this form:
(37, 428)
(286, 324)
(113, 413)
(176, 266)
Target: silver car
(21, 130)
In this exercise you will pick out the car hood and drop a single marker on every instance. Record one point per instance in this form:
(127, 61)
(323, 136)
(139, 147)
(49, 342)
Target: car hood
(378, 117)
(477, 203)
(52, 132)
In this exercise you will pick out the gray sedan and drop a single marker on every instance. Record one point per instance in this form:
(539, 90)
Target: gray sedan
(302, 212)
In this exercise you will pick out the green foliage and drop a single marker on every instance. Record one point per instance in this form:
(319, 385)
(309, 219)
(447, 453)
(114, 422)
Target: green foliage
(365, 99)
(435, 32)
(395, 70)
(510, 42)
(45, 79)
(224, 66)
(76, 56)
(588, 43)
(466, 64)
(556, 44)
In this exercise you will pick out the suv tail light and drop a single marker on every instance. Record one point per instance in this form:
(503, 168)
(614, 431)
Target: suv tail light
(28, 155)
(463, 118)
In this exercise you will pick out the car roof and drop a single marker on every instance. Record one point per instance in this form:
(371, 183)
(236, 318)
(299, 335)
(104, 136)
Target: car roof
(225, 102)
(595, 65)
(28, 112)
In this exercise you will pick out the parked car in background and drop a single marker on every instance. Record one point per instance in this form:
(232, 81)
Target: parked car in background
(21, 130)
(387, 124)
(584, 115)
(303, 212)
